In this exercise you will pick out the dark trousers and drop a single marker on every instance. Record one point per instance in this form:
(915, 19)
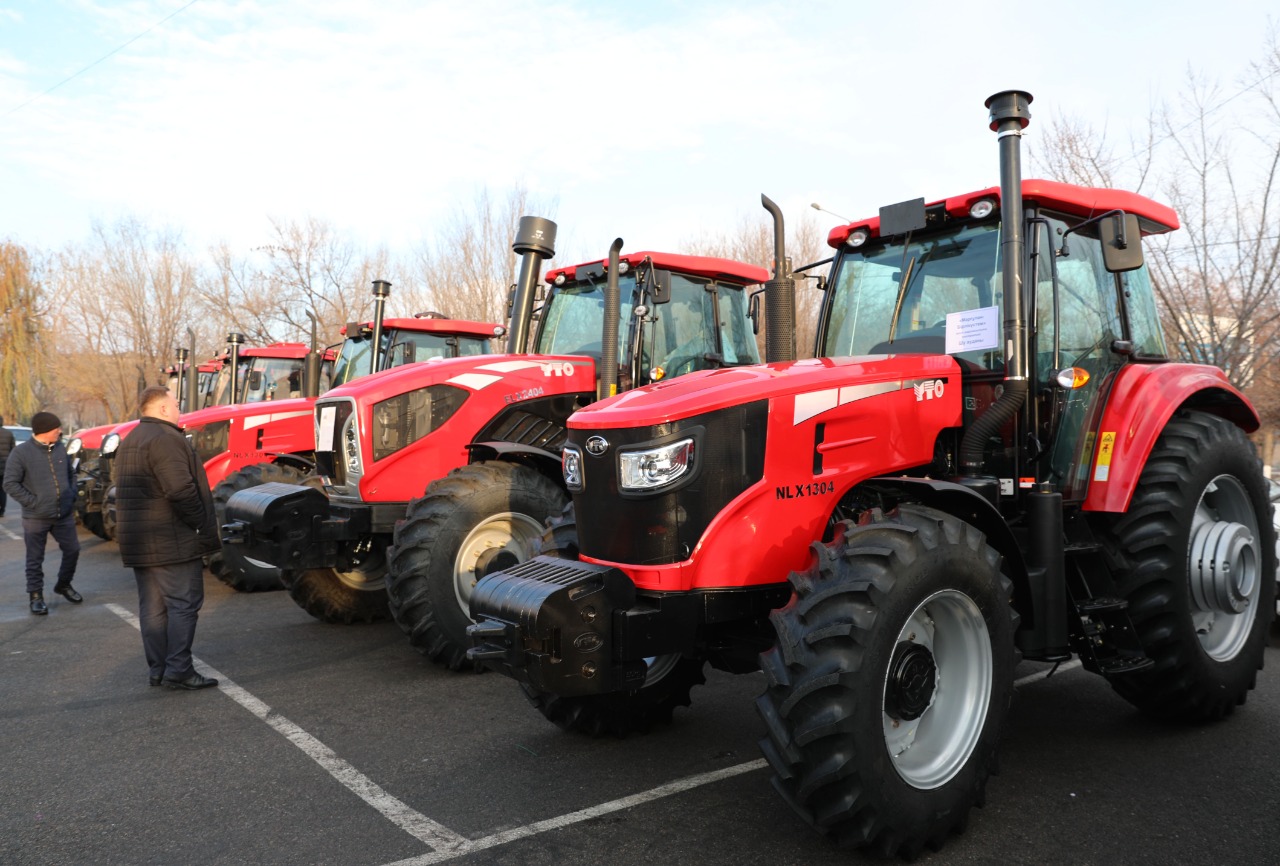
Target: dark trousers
(36, 532)
(4, 497)
(169, 599)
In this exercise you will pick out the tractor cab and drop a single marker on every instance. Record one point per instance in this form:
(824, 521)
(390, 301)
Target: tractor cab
(676, 314)
(927, 279)
(424, 337)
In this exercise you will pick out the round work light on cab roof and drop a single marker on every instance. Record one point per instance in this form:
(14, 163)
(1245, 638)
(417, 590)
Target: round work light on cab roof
(982, 208)
(857, 238)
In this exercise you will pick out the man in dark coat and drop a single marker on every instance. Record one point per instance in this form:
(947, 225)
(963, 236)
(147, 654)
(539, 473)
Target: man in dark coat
(6, 445)
(165, 525)
(39, 475)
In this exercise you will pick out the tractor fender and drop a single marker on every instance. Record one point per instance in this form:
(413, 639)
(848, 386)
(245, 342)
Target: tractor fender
(546, 462)
(961, 502)
(1143, 398)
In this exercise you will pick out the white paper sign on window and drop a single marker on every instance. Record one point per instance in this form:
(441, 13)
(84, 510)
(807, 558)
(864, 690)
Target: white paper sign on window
(973, 330)
(324, 439)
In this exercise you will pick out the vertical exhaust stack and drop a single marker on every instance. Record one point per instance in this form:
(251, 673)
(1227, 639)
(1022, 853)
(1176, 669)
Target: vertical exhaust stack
(235, 340)
(193, 371)
(535, 242)
(381, 291)
(1009, 116)
(183, 404)
(612, 310)
(779, 296)
(311, 364)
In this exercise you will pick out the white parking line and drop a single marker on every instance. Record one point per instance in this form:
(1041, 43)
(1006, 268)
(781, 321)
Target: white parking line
(528, 830)
(5, 530)
(433, 835)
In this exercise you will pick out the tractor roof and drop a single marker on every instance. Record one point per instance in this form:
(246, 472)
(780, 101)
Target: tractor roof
(726, 270)
(433, 325)
(1082, 201)
(282, 350)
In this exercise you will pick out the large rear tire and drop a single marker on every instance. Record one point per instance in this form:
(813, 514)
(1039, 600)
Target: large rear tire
(888, 687)
(476, 520)
(238, 572)
(1195, 556)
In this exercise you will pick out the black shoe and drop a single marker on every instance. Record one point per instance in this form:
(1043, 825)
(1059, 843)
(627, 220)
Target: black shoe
(191, 683)
(38, 607)
(155, 681)
(69, 594)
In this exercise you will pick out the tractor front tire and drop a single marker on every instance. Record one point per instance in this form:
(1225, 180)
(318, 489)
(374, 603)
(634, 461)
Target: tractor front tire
(92, 521)
(888, 688)
(344, 597)
(1195, 557)
(476, 520)
(109, 514)
(246, 575)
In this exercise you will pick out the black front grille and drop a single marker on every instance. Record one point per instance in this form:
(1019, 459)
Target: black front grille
(537, 423)
(663, 527)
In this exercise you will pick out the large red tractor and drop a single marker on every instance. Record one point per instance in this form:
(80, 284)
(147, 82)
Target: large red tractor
(992, 457)
(482, 438)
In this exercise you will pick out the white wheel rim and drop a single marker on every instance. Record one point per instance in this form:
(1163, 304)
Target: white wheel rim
(512, 532)
(1219, 569)
(929, 750)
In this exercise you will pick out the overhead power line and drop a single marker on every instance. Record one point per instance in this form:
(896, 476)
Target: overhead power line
(109, 54)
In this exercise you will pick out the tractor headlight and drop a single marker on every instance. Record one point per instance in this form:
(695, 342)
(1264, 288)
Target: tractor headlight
(73, 447)
(351, 451)
(655, 467)
(110, 444)
(571, 467)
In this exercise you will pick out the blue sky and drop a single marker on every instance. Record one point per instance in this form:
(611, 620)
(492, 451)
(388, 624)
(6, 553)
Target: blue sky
(657, 122)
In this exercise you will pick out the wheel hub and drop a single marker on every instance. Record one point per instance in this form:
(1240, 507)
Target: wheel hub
(1223, 567)
(913, 676)
(495, 559)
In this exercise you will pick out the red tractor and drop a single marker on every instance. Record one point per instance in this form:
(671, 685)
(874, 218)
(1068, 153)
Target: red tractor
(482, 438)
(993, 457)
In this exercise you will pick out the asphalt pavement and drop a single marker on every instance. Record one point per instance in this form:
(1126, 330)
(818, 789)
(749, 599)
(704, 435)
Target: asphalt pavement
(331, 744)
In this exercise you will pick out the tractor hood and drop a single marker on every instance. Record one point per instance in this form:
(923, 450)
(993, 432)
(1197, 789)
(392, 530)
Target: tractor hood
(254, 414)
(817, 384)
(473, 372)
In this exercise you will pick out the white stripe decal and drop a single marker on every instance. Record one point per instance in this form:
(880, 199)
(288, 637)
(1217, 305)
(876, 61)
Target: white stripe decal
(258, 420)
(509, 366)
(814, 403)
(853, 393)
(474, 381)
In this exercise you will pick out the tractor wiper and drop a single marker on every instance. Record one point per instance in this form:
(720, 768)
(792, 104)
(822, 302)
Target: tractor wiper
(902, 295)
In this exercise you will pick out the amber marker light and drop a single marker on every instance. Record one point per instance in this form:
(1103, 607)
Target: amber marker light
(1073, 377)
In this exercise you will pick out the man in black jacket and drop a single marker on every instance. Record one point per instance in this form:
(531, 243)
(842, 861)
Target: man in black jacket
(6, 445)
(39, 475)
(165, 525)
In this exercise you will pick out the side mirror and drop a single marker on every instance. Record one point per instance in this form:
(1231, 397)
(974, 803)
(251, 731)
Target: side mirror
(1121, 243)
(255, 380)
(753, 310)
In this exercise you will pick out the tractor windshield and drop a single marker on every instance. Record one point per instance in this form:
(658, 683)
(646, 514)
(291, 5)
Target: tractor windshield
(272, 379)
(897, 296)
(703, 326)
(573, 318)
(411, 346)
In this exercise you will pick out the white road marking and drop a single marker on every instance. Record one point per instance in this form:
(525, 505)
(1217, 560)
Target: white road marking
(528, 830)
(1040, 675)
(5, 530)
(446, 844)
(435, 836)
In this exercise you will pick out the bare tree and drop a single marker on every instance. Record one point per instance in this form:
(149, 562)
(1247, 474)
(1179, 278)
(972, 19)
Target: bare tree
(469, 268)
(124, 303)
(304, 268)
(23, 312)
(751, 241)
(1218, 279)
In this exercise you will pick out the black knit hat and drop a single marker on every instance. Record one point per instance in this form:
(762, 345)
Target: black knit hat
(43, 422)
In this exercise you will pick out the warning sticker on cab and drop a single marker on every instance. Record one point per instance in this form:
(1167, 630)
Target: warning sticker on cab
(1105, 446)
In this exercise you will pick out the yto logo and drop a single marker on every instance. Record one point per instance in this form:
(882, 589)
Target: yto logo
(929, 389)
(557, 368)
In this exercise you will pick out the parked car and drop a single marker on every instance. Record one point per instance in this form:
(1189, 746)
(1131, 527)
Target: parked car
(20, 434)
